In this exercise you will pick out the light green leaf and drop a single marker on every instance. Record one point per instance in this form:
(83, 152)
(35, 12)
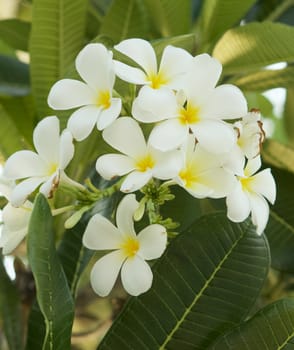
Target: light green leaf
(57, 36)
(187, 42)
(125, 19)
(278, 155)
(207, 282)
(255, 45)
(289, 113)
(15, 33)
(266, 79)
(169, 17)
(217, 16)
(10, 310)
(53, 294)
(272, 328)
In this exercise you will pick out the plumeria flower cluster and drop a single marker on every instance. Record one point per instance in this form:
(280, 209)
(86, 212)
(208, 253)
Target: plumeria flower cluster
(182, 129)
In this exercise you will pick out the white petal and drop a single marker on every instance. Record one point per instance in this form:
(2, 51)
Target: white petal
(105, 272)
(175, 62)
(238, 205)
(214, 135)
(108, 116)
(125, 213)
(203, 75)
(46, 139)
(225, 102)
(101, 234)
(94, 64)
(82, 121)
(50, 185)
(111, 165)
(168, 135)
(125, 135)
(23, 164)
(70, 93)
(234, 161)
(10, 240)
(136, 276)
(252, 166)
(130, 74)
(264, 184)
(141, 52)
(135, 180)
(24, 189)
(168, 164)
(153, 240)
(153, 105)
(66, 149)
(259, 212)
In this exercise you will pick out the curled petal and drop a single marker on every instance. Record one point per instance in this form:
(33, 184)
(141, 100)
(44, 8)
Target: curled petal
(101, 234)
(108, 116)
(125, 135)
(264, 184)
(105, 272)
(50, 185)
(238, 205)
(136, 276)
(111, 165)
(153, 240)
(66, 149)
(252, 166)
(70, 93)
(141, 52)
(22, 190)
(259, 212)
(82, 121)
(125, 213)
(130, 74)
(135, 180)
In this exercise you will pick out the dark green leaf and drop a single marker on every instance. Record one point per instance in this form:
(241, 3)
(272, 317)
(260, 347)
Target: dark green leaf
(272, 328)
(255, 45)
(207, 281)
(57, 35)
(15, 33)
(53, 294)
(125, 19)
(10, 310)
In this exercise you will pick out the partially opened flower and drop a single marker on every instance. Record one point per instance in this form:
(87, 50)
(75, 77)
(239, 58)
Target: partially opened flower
(250, 193)
(15, 221)
(46, 167)
(95, 65)
(129, 250)
(202, 174)
(140, 161)
(200, 107)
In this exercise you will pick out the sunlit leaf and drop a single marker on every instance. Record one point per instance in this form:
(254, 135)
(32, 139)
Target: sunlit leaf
(15, 33)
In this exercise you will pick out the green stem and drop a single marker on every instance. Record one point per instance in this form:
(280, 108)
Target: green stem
(62, 210)
(278, 11)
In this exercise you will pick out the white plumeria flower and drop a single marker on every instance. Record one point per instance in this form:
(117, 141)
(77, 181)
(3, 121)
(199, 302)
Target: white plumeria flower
(200, 107)
(15, 221)
(130, 250)
(158, 82)
(45, 167)
(95, 65)
(202, 175)
(140, 161)
(248, 195)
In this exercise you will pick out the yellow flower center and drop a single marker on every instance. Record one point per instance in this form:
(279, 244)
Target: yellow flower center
(130, 246)
(246, 183)
(52, 168)
(189, 114)
(145, 163)
(103, 99)
(188, 176)
(157, 80)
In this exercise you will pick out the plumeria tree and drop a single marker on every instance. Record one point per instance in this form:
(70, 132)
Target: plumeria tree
(139, 181)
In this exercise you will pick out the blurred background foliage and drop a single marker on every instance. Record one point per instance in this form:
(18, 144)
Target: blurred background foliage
(39, 40)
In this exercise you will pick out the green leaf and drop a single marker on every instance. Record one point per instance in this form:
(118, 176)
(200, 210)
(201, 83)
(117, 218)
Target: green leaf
(15, 33)
(280, 228)
(278, 155)
(272, 328)
(53, 294)
(187, 42)
(14, 77)
(57, 35)
(206, 282)
(169, 17)
(125, 19)
(255, 45)
(217, 16)
(265, 79)
(10, 310)
(289, 113)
